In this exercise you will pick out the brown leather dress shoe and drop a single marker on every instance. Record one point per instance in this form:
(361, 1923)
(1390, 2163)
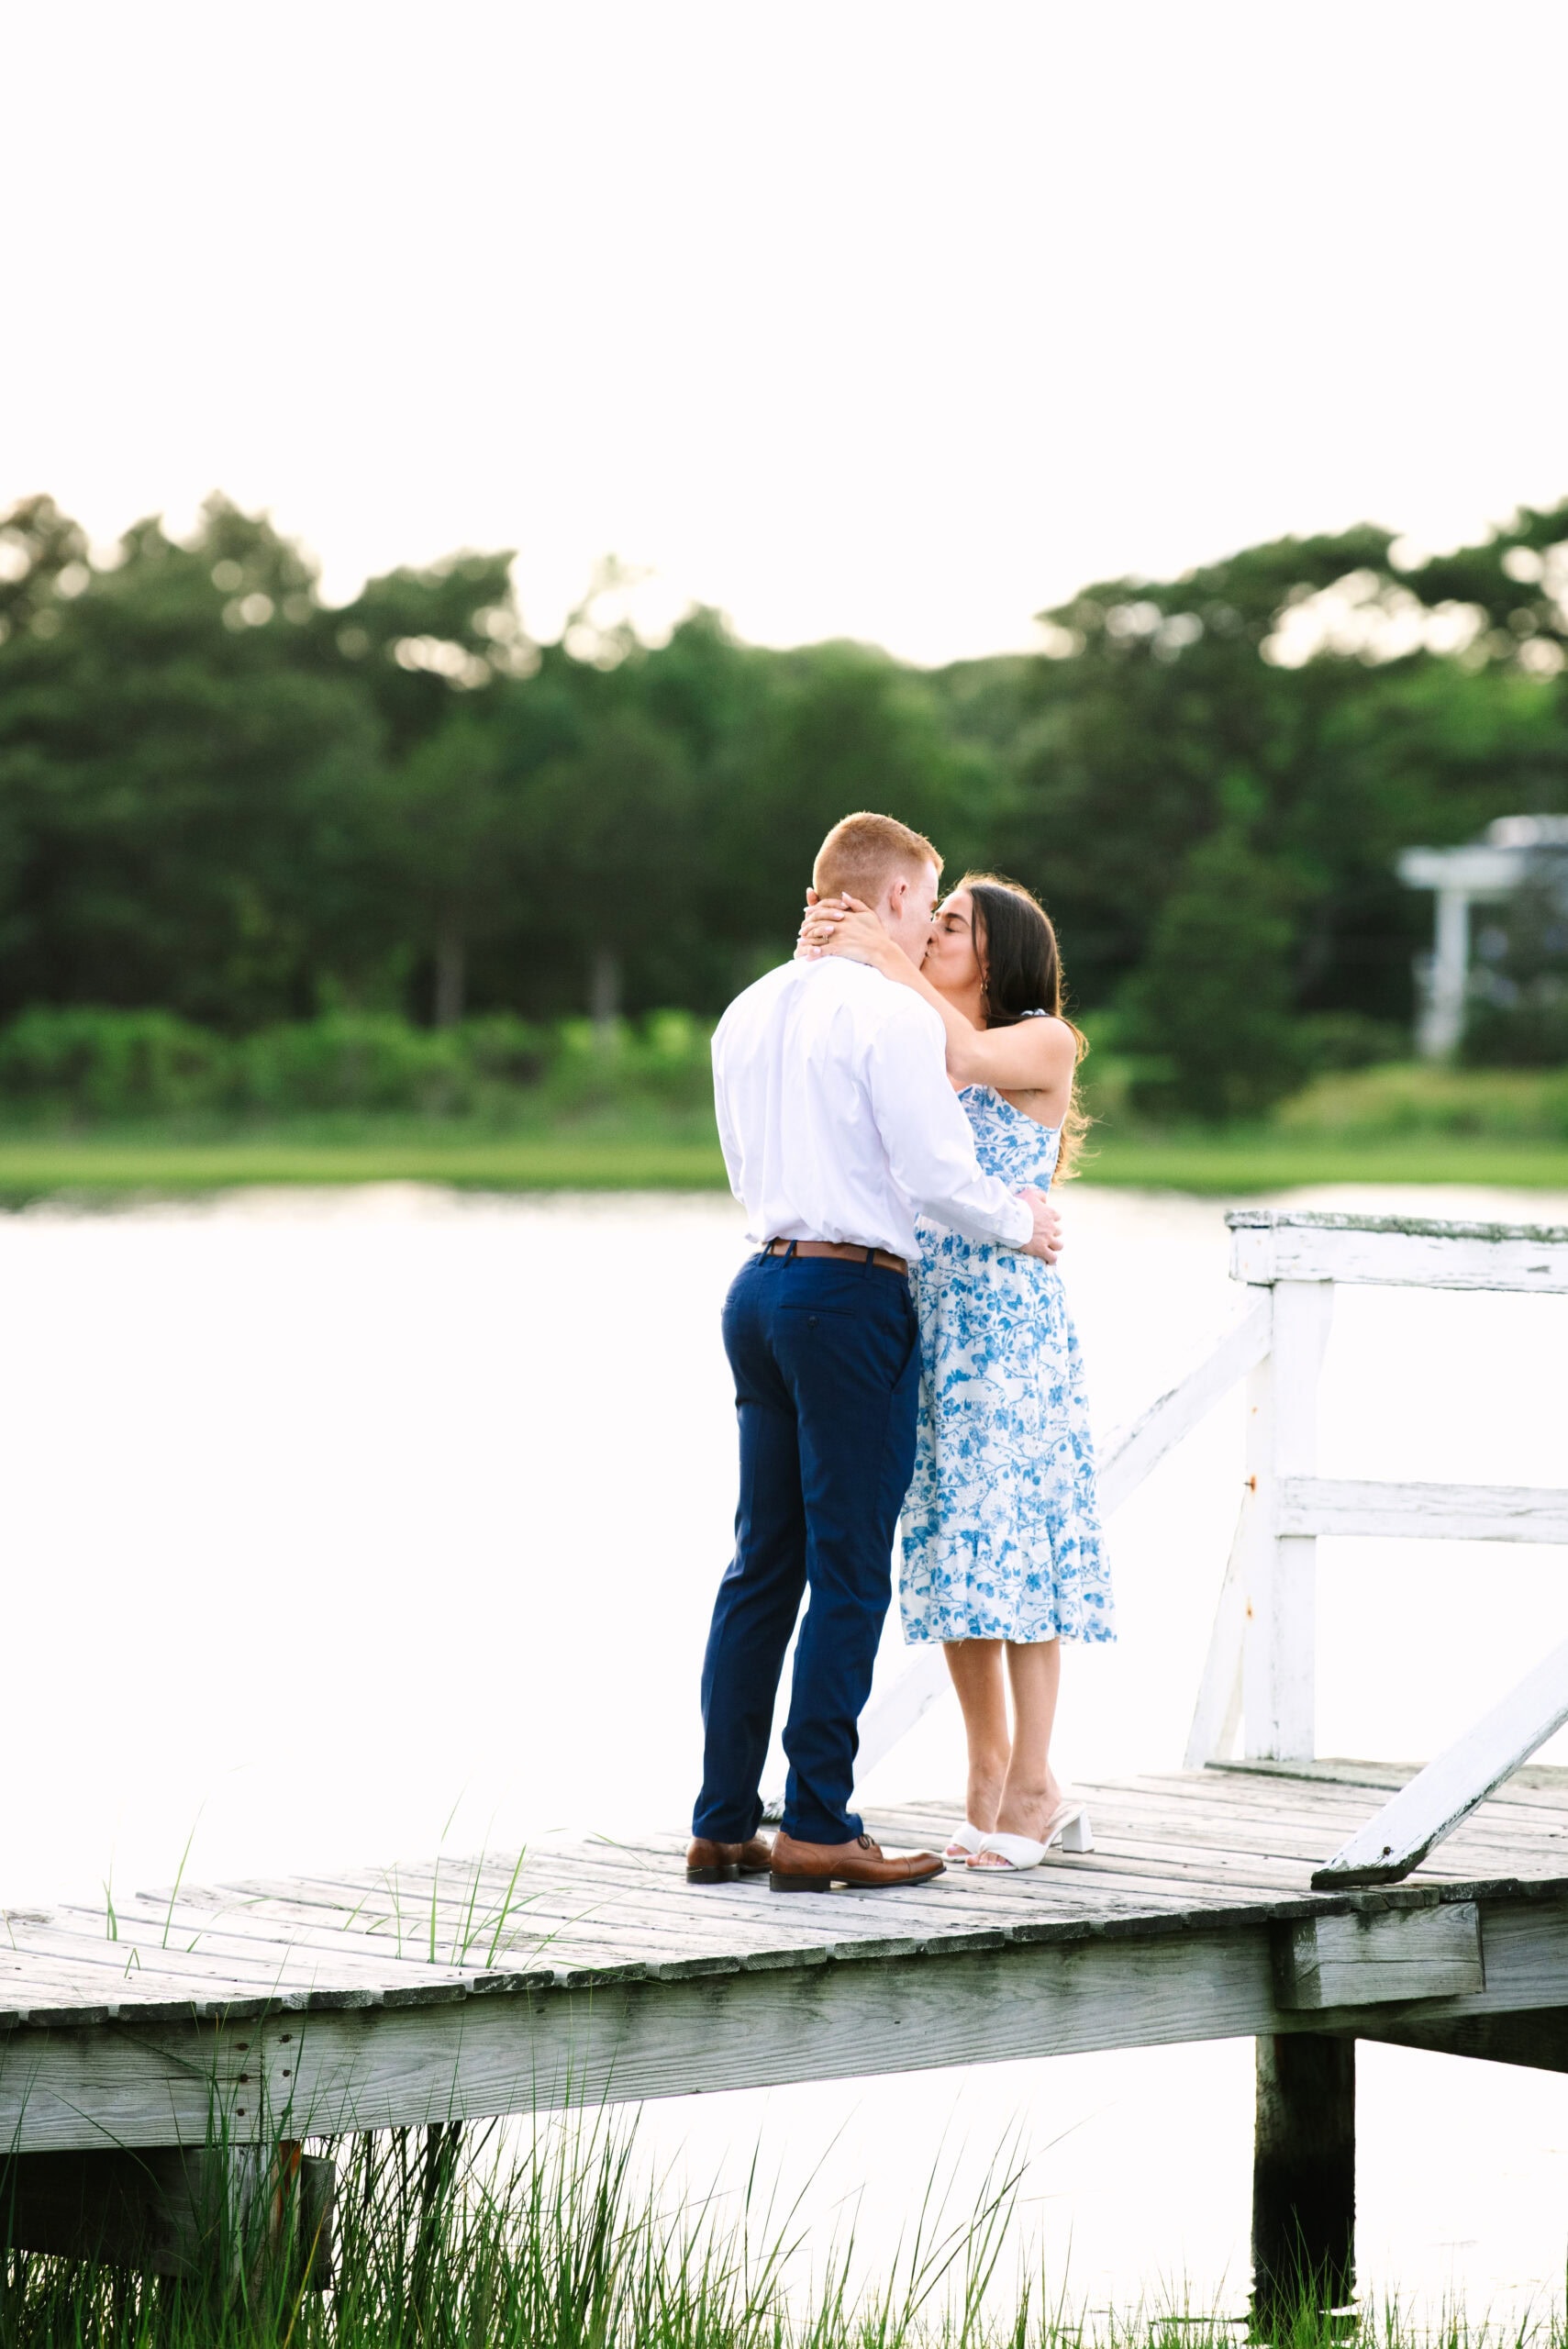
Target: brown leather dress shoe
(817, 1868)
(711, 1863)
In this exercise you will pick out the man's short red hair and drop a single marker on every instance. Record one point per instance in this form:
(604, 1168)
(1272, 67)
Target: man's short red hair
(863, 852)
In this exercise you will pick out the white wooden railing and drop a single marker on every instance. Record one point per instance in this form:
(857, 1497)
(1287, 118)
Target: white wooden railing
(1260, 1672)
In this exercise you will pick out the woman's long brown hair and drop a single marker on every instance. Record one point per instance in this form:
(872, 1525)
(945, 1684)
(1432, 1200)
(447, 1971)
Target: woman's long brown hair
(1021, 965)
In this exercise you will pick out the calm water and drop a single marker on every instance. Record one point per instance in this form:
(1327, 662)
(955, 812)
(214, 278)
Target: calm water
(336, 1524)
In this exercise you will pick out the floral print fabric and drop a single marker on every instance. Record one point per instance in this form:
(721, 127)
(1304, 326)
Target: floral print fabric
(1001, 1525)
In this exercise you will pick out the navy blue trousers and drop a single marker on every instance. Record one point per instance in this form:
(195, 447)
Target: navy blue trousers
(826, 1377)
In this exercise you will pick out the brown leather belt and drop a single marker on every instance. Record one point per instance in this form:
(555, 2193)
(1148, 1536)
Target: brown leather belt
(852, 1251)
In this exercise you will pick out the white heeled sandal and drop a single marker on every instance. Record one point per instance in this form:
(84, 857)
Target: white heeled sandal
(964, 1843)
(1068, 1825)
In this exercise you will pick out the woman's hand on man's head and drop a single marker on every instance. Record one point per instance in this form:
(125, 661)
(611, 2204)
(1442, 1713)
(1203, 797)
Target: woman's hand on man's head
(840, 926)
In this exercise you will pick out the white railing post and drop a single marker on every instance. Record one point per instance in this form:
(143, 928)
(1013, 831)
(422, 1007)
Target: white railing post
(1280, 1573)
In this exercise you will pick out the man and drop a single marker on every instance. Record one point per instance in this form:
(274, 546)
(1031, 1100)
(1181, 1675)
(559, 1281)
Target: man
(839, 1126)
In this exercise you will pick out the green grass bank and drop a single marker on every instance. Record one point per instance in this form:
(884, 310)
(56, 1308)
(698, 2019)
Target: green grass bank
(648, 1155)
(104, 1105)
(645, 1154)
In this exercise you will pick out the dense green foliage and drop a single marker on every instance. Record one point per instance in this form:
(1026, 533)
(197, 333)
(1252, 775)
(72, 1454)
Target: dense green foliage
(78, 1066)
(223, 801)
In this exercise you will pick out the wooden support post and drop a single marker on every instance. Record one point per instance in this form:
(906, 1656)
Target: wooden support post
(1278, 1674)
(1304, 2175)
(196, 2211)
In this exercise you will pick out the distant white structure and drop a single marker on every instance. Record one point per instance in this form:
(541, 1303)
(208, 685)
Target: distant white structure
(1482, 872)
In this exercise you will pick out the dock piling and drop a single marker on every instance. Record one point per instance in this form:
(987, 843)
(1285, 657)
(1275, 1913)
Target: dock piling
(1304, 2173)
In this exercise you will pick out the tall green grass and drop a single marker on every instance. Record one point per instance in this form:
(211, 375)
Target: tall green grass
(444, 2242)
(479, 2245)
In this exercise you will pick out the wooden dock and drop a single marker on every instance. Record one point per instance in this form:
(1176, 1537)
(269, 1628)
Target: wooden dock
(428, 1993)
(1302, 1903)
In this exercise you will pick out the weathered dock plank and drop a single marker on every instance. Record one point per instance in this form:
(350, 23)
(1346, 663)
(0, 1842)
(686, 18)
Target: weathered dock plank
(501, 1983)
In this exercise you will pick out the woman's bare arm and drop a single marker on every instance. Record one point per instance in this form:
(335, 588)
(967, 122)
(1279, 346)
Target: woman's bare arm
(1036, 1056)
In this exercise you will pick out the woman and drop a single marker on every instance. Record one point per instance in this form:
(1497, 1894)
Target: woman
(1003, 1557)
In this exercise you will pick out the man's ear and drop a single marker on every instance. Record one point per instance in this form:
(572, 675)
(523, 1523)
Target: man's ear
(812, 899)
(897, 892)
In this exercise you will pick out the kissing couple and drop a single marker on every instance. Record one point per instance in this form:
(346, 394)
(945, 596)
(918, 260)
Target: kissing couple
(892, 1106)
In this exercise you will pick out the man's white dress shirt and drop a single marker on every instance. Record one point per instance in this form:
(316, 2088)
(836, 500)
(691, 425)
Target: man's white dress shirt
(837, 1118)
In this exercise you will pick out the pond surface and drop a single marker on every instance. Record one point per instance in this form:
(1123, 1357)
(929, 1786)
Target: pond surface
(338, 1526)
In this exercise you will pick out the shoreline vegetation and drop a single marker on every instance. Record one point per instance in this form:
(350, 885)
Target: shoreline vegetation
(449, 2238)
(98, 1106)
(109, 1168)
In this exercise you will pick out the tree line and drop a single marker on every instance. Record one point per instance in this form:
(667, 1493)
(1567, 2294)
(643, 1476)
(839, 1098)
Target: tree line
(225, 798)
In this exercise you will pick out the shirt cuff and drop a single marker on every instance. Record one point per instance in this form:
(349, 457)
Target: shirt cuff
(1023, 1223)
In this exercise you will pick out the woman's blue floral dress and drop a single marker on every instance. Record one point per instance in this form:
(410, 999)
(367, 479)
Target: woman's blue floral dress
(1001, 1526)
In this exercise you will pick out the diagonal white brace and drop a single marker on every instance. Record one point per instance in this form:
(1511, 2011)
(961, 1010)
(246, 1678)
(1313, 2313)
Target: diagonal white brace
(1450, 1788)
(1216, 1715)
(1129, 1453)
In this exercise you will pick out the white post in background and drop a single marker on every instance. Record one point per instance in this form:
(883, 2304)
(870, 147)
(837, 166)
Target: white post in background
(1442, 1015)
(1278, 1668)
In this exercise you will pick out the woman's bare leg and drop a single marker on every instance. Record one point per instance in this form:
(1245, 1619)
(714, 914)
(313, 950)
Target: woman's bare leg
(1031, 1790)
(976, 1669)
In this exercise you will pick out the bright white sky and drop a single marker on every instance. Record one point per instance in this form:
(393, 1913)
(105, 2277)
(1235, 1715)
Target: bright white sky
(866, 318)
